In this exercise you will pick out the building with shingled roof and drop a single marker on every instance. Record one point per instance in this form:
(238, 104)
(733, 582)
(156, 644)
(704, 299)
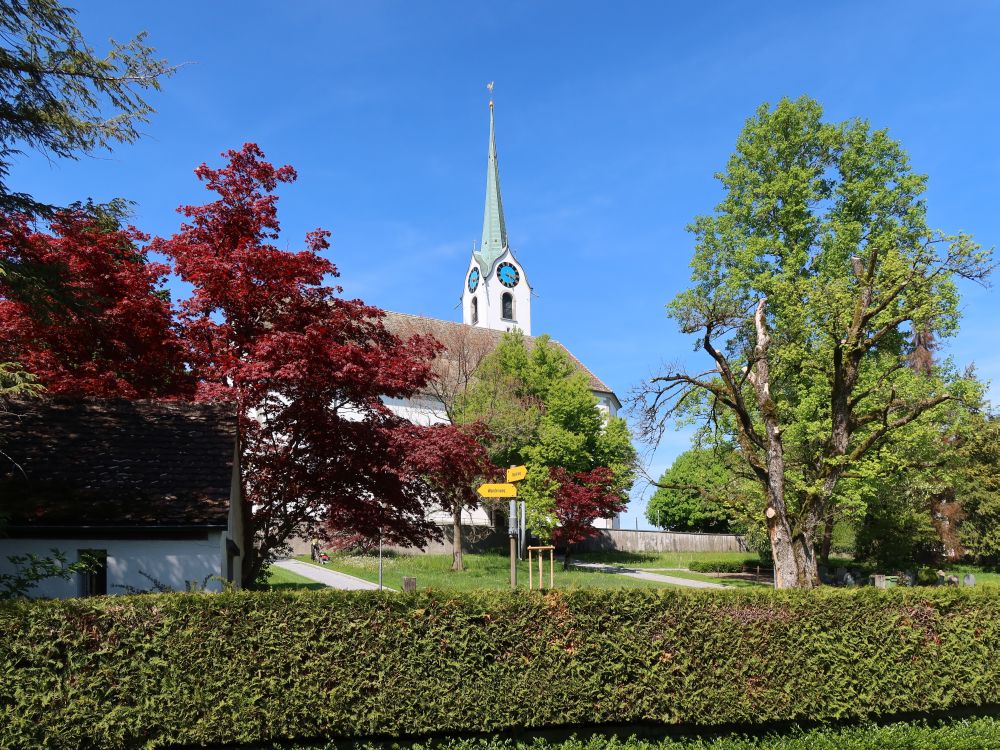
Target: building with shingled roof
(149, 489)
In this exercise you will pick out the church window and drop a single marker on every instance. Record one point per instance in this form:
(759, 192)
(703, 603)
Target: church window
(475, 310)
(508, 306)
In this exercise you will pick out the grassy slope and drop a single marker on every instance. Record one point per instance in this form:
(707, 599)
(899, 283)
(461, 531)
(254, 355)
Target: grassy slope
(489, 571)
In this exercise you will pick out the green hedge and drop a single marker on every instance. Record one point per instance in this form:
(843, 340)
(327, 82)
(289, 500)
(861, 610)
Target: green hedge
(244, 667)
(726, 566)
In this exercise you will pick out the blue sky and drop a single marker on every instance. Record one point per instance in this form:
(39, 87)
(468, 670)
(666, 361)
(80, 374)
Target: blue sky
(611, 120)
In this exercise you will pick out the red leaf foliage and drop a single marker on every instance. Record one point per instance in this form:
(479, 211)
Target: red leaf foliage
(581, 499)
(449, 460)
(307, 368)
(109, 333)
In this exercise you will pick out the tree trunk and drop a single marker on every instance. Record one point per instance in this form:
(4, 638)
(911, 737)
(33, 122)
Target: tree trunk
(807, 571)
(457, 563)
(566, 559)
(250, 559)
(794, 566)
(824, 554)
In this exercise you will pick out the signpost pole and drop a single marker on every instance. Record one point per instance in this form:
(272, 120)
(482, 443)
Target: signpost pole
(508, 489)
(512, 529)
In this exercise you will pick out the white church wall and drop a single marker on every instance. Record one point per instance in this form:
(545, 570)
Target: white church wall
(173, 562)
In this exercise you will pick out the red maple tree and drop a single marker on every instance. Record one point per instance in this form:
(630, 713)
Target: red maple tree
(103, 326)
(307, 369)
(449, 461)
(581, 499)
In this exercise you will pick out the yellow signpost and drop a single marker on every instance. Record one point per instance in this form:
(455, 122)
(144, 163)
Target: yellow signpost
(517, 473)
(497, 490)
(514, 474)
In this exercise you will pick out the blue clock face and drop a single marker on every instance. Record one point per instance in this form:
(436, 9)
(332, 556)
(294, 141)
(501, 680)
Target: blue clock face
(473, 279)
(508, 275)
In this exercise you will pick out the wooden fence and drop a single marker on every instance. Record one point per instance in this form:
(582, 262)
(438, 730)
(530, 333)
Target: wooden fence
(625, 540)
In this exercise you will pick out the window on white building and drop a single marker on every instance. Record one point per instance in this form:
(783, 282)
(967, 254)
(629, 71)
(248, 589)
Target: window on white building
(507, 308)
(475, 310)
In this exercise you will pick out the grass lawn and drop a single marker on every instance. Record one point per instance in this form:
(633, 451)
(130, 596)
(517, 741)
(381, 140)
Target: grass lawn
(486, 571)
(279, 578)
(982, 575)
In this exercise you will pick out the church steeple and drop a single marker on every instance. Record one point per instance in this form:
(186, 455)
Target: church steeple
(494, 241)
(496, 293)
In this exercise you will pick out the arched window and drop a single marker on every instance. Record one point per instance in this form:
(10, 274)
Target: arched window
(508, 306)
(475, 310)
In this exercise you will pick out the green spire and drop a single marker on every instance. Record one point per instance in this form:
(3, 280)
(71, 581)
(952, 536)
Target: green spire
(494, 230)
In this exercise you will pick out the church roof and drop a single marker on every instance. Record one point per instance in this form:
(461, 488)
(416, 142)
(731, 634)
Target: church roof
(102, 462)
(403, 324)
(494, 241)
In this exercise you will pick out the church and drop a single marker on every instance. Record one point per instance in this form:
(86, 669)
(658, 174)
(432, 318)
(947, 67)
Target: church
(496, 298)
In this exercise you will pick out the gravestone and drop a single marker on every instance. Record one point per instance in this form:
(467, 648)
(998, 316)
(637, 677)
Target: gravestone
(879, 580)
(848, 579)
(969, 580)
(409, 583)
(907, 578)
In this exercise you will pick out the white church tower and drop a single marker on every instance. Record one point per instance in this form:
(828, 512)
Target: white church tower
(496, 294)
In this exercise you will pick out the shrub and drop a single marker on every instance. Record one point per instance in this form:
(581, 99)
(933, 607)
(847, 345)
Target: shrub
(726, 566)
(197, 669)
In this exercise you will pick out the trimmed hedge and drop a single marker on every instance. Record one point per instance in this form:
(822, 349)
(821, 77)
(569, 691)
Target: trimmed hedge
(726, 566)
(247, 667)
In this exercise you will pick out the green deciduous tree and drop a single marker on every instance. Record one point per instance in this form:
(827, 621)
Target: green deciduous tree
(695, 493)
(540, 412)
(807, 283)
(977, 489)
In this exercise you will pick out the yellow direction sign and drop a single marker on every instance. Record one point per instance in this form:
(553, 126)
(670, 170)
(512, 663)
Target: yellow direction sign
(517, 473)
(498, 490)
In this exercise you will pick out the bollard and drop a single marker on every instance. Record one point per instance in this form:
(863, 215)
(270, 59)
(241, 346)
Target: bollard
(409, 584)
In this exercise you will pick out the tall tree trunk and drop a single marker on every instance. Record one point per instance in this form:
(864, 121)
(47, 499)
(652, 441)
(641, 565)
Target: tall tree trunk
(807, 571)
(792, 562)
(457, 562)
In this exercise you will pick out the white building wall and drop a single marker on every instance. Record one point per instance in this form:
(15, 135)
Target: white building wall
(173, 562)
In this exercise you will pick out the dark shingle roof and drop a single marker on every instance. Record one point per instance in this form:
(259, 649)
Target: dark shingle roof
(403, 324)
(96, 462)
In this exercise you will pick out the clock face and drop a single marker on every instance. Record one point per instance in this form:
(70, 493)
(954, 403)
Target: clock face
(473, 279)
(508, 275)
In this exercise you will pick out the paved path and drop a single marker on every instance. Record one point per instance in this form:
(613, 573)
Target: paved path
(647, 576)
(331, 578)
